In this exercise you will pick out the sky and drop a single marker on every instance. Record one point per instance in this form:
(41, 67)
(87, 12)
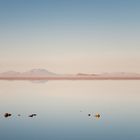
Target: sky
(70, 36)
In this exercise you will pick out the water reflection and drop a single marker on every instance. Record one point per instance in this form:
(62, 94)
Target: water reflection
(62, 109)
(39, 81)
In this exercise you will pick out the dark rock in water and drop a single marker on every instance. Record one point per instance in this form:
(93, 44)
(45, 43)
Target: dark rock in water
(89, 114)
(32, 115)
(7, 115)
(97, 115)
(19, 115)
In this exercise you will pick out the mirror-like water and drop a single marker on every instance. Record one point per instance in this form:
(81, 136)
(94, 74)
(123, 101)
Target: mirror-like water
(62, 109)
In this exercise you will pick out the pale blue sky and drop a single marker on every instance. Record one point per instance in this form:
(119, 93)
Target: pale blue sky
(70, 36)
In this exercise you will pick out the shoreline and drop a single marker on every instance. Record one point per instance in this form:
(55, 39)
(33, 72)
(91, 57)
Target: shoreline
(69, 78)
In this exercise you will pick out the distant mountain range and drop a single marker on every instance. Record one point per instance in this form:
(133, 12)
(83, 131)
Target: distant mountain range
(45, 74)
(31, 73)
(115, 74)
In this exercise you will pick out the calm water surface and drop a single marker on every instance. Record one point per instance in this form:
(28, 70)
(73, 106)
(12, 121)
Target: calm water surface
(62, 109)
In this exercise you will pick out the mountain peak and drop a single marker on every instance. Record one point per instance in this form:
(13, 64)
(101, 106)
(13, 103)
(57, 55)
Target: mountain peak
(39, 72)
(32, 73)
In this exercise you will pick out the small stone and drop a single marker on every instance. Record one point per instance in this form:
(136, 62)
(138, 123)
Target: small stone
(89, 114)
(97, 115)
(32, 115)
(7, 115)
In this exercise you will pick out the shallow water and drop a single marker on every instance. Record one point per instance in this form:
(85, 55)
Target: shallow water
(62, 109)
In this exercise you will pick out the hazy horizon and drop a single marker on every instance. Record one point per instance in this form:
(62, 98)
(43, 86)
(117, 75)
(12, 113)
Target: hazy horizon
(54, 72)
